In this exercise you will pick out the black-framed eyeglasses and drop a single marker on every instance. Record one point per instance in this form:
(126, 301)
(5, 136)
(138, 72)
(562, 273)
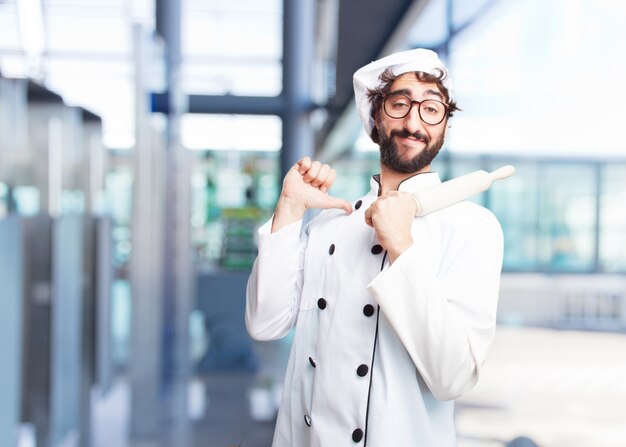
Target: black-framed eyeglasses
(399, 105)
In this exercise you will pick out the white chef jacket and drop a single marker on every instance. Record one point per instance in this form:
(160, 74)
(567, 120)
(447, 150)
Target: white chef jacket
(379, 351)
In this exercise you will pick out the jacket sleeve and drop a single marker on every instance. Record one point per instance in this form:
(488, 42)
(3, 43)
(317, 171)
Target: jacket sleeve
(446, 320)
(275, 282)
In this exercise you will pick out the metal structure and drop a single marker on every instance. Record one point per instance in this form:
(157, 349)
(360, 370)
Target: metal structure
(52, 239)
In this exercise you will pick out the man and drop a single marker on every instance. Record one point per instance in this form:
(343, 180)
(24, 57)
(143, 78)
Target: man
(394, 314)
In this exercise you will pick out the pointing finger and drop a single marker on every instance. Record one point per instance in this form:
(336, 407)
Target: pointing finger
(334, 202)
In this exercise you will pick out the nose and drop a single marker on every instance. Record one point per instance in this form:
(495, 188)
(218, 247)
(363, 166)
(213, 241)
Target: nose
(413, 122)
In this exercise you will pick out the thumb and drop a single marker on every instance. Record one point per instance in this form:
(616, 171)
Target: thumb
(335, 202)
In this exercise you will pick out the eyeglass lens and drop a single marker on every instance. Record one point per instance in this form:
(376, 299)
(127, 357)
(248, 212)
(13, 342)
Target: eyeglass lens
(398, 106)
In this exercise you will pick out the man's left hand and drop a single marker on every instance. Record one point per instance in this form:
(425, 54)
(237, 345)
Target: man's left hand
(391, 215)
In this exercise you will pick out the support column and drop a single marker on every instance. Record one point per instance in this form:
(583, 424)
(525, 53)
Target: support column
(145, 268)
(11, 341)
(177, 270)
(298, 57)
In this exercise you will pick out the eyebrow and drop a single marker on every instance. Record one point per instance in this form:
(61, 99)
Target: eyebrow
(407, 92)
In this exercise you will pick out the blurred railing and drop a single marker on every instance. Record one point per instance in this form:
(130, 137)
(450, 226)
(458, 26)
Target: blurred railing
(582, 302)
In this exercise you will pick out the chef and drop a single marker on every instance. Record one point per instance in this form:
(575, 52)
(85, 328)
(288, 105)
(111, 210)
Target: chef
(393, 314)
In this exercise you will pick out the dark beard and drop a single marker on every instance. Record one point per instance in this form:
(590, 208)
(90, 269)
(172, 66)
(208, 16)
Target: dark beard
(390, 154)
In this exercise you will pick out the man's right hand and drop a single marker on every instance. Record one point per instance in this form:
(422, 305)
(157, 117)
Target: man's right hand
(306, 186)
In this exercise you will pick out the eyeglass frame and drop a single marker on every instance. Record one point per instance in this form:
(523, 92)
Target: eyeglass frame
(413, 101)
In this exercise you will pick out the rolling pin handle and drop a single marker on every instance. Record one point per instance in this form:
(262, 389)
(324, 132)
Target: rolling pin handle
(503, 172)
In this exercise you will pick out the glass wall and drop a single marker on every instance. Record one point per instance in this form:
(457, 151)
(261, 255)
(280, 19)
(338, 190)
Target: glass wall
(567, 217)
(119, 198)
(218, 57)
(612, 222)
(233, 192)
(558, 216)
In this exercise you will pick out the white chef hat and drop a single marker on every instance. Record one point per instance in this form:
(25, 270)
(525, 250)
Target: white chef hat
(403, 62)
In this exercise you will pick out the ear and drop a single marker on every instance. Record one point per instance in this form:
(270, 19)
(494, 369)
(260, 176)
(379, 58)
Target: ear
(375, 120)
(374, 135)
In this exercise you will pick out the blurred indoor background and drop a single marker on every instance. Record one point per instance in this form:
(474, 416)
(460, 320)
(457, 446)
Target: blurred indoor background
(142, 142)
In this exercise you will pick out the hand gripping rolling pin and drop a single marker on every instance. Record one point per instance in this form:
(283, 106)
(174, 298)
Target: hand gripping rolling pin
(457, 189)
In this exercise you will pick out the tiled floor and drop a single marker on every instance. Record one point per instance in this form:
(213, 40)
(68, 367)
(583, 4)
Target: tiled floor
(559, 388)
(227, 421)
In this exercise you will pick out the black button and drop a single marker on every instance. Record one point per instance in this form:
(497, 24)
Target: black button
(358, 205)
(376, 249)
(362, 370)
(368, 310)
(307, 421)
(312, 362)
(331, 249)
(357, 435)
(321, 303)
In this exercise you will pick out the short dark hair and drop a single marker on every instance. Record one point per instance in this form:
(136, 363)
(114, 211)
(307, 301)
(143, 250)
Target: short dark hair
(376, 95)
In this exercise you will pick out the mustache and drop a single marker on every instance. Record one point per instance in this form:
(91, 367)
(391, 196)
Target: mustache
(406, 134)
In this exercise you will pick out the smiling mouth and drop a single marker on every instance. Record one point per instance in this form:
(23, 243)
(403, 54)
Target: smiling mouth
(408, 136)
(412, 139)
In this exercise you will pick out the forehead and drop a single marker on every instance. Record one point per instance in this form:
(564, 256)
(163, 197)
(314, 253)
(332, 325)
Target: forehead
(416, 88)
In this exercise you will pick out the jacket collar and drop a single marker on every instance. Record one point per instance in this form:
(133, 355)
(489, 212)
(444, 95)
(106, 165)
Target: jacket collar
(411, 184)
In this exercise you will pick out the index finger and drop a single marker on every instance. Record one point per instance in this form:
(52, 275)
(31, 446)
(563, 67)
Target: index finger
(303, 165)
